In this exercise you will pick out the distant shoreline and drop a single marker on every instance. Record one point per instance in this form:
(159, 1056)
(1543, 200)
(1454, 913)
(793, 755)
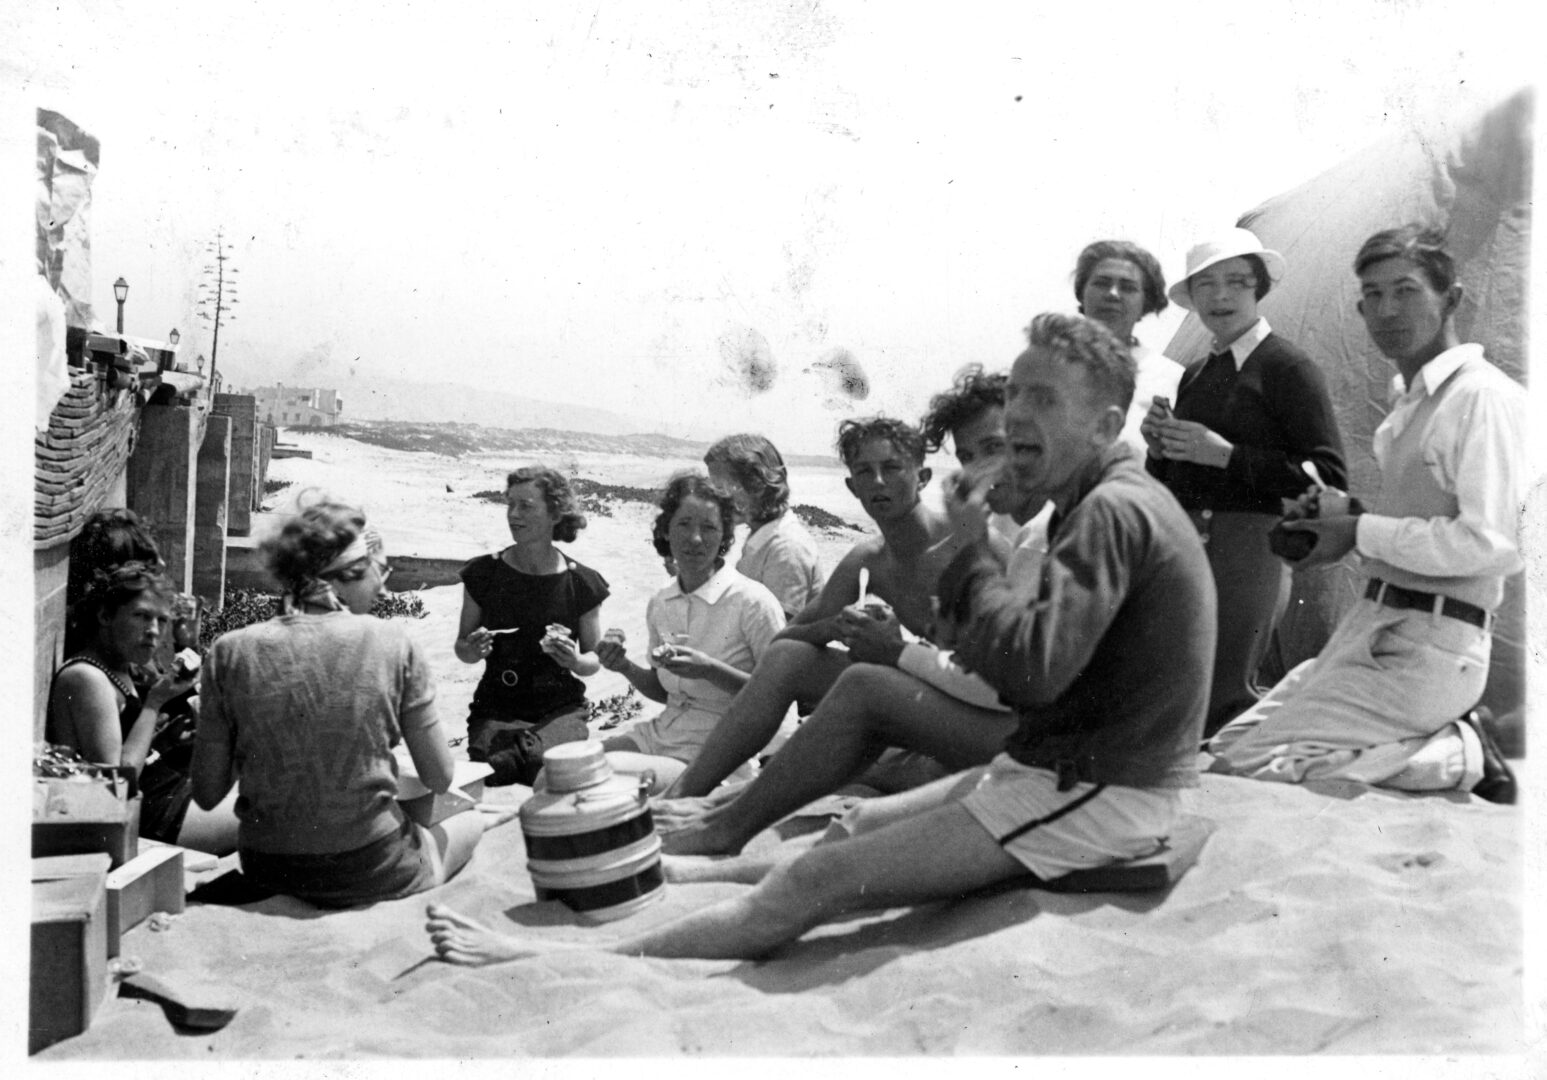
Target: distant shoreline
(454, 439)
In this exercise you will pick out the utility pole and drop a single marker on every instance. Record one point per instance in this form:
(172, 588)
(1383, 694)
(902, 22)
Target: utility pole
(217, 296)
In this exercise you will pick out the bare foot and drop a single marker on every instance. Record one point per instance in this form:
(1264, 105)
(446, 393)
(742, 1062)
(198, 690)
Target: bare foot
(701, 836)
(460, 940)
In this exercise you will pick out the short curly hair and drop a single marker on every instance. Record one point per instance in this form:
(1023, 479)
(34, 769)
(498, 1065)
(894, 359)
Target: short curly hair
(563, 505)
(109, 538)
(1148, 266)
(112, 587)
(853, 434)
(972, 393)
(679, 488)
(1081, 340)
(759, 468)
(309, 541)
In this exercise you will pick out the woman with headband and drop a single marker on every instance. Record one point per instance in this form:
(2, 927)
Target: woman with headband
(304, 711)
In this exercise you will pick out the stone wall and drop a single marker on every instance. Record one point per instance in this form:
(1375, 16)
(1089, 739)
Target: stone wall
(246, 485)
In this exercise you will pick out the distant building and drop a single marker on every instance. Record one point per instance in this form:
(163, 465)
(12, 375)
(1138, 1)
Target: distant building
(297, 406)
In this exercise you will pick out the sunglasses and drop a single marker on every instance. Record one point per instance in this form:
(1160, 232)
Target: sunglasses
(356, 571)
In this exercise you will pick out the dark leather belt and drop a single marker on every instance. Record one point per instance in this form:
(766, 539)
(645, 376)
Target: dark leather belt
(1383, 592)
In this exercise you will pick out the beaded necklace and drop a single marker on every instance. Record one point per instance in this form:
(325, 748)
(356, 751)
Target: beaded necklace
(112, 676)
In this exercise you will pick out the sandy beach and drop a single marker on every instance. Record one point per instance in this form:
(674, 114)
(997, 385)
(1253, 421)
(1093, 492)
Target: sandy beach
(1334, 919)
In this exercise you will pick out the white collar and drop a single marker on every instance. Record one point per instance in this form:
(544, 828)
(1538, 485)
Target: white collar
(1242, 346)
(710, 591)
(1433, 374)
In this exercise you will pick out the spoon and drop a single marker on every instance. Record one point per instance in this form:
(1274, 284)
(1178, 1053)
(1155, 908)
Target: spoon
(1309, 468)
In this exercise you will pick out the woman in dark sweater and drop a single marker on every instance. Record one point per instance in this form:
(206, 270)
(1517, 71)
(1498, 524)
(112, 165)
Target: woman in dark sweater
(1247, 420)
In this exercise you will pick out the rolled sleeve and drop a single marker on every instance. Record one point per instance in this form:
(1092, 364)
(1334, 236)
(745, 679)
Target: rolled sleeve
(761, 620)
(936, 667)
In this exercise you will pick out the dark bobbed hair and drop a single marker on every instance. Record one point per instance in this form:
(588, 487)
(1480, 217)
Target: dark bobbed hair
(758, 467)
(971, 394)
(110, 589)
(563, 506)
(1087, 343)
(109, 538)
(1260, 272)
(1148, 266)
(685, 485)
(853, 434)
(1424, 245)
(306, 543)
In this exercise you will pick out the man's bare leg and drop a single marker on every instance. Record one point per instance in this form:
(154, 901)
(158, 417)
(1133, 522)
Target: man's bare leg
(869, 708)
(938, 855)
(788, 671)
(739, 869)
(867, 816)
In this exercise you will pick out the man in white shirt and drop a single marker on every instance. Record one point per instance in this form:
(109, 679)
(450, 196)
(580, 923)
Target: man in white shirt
(1381, 703)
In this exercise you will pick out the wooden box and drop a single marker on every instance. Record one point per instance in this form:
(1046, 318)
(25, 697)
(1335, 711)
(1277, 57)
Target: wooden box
(69, 957)
(151, 881)
(72, 817)
(427, 808)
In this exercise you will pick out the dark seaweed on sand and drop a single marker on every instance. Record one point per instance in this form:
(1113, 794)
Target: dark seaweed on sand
(595, 497)
(244, 607)
(599, 499)
(817, 518)
(615, 710)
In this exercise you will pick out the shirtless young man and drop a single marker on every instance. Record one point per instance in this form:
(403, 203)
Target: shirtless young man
(885, 459)
(910, 713)
(1110, 709)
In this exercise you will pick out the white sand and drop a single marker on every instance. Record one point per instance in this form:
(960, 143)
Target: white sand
(1338, 921)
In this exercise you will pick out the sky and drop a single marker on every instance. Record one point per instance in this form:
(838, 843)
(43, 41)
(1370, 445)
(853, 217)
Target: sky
(615, 204)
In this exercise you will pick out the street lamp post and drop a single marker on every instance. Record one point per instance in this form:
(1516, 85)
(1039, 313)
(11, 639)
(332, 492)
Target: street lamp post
(121, 293)
(174, 337)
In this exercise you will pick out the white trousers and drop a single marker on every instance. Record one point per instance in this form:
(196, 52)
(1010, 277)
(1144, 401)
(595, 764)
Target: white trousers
(1378, 705)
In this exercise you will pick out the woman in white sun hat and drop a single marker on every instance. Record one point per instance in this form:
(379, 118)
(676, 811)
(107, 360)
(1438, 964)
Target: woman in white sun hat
(1246, 420)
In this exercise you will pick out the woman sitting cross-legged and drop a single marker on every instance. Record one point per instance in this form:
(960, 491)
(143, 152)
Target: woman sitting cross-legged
(707, 630)
(304, 711)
